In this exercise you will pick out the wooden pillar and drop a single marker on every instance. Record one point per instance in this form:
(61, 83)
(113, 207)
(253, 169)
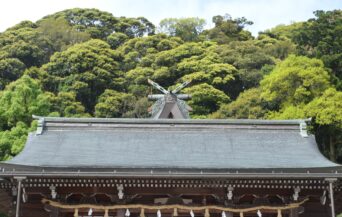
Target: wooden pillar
(19, 185)
(120, 213)
(331, 194)
(229, 214)
(54, 212)
(294, 212)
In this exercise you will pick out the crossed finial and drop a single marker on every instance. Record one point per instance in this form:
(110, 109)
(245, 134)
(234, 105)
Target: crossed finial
(169, 104)
(157, 86)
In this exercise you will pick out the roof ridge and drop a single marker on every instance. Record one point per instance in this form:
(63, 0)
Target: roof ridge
(173, 121)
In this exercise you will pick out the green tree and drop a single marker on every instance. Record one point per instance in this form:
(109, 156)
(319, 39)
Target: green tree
(248, 59)
(61, 33)
(299, 88)
(228, 29)
(295, 81)
(114, 104)
(12, 141)
(282, 31)
(20, 100)
(142, 51)
(116, 39)
(64, 104)
(327, 113)
(321, 37)
(248, 105)
(10, 70)
(27, 45)
(205, 99)
(188, 29)
(278, 48)
(100, 24)
(86, 69)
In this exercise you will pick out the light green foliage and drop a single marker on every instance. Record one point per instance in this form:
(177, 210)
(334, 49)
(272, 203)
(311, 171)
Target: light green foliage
(114, 104)
(12, 141)
(327, 109)
(66, 105)
(188, 29)
(86, 69)
(248, 105)
(20, 100)
(288, 112)
(205, 98)
(208, 68)
(295, 81)
(23, 24)
(282, 31)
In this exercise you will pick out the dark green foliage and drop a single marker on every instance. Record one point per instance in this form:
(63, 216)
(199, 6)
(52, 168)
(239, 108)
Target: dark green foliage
(321, 37)
(10, 70)
(188, 29)
(228, 29)
(100, 24)
(86, 69)
(60, 33)
(26, 44)
(248, 59)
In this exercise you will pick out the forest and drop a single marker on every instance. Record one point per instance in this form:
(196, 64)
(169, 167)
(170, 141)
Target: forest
(89, 63)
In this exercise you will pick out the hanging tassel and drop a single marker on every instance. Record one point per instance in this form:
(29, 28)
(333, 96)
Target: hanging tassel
(259, 213)
(224, 214)
(192, 214)
(142, 213)
(175, 213)
(127, 213)
(241, 214)
(106, 213)
(76, 213)
(206, 214)
(90, 211)
(279, 213)
(158, 213)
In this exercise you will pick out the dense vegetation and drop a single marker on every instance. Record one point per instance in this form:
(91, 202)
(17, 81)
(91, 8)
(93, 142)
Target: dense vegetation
(88, 63)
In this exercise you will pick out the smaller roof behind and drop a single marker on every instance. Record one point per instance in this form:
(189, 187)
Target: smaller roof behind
(90, 143)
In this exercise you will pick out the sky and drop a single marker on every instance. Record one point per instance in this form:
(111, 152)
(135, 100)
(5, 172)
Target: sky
(264, 13)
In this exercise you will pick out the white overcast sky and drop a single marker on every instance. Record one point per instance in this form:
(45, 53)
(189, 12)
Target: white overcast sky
(264, 13)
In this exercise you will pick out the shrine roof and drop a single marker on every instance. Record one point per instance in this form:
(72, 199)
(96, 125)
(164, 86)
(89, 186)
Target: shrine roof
(97, 144)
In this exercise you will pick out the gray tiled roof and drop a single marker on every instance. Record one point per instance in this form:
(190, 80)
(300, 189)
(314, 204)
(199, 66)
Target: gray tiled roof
(171, 144)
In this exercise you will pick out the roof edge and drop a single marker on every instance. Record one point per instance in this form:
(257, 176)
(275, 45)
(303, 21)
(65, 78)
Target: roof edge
(173, 121)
